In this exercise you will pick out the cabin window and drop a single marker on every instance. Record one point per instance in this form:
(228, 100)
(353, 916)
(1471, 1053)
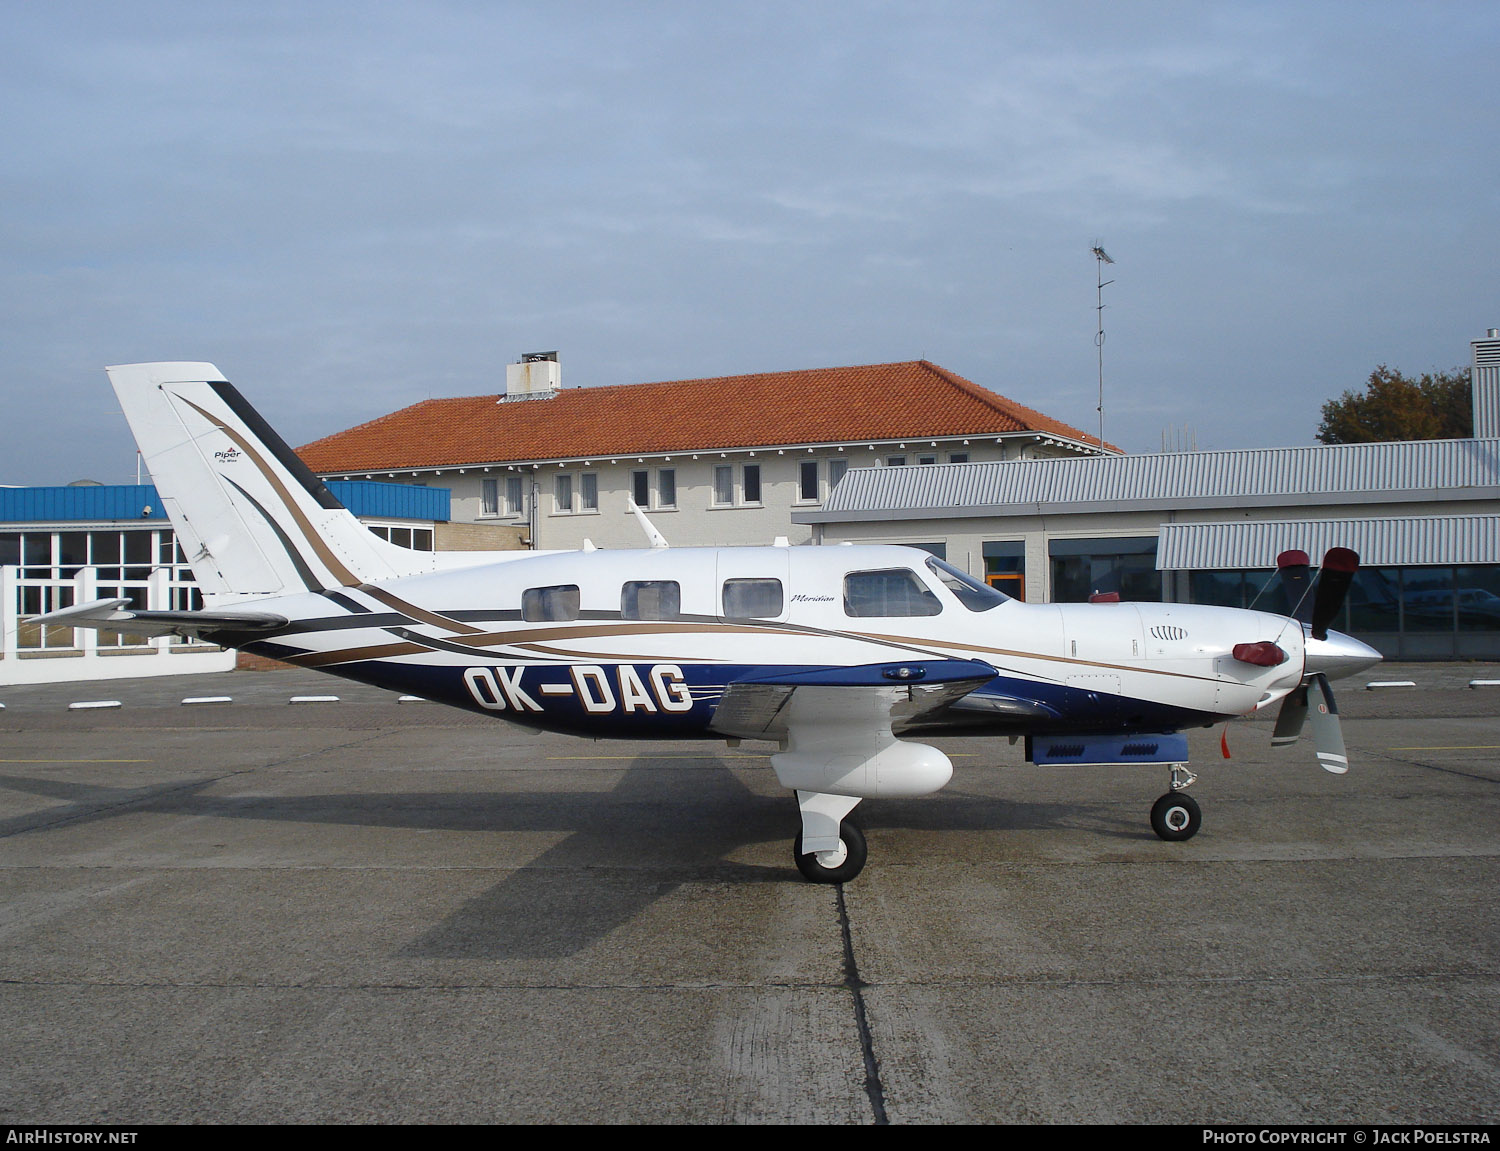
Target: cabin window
(550, 604)
(651, 599)
(752, 598)
(971, 593)
(888, 592)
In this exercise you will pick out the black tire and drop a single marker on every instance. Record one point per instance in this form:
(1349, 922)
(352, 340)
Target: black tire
(854, 862)
(1176, 816)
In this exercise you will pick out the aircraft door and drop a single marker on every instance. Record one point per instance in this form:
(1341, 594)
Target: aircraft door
(752, 584)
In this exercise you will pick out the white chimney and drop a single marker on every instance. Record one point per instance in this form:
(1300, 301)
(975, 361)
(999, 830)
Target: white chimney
(537, 377)
(1484, 385)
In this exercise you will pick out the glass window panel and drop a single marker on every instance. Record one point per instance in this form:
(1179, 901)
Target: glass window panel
(651, 599)
(971, 593)
(10, 549)
(837, 469)
(1374, 603)
(752, 598)
(490, 497)
(588, 492)
(888, 592)
(550, 604)
(807, 485)
(515, 499)
(563, 492)
(1477, 588)
(640, 489)
(752, 483)
(723, 484)
(666, 487)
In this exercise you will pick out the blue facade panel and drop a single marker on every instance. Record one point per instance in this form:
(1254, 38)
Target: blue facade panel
(106, 502)
(139, 502)
(392, 501)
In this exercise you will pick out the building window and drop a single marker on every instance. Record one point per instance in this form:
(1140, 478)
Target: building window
(958, 457)
(666, 487)
(651, 599)
(515, 496)
(588, 491)
(1005, 566)
(752, 483)
(1086, 567)
(807, 486)
(836, 470)
(723, 485)
(416, 539)
(640, 488)
(562, 493)
(895, 461)
(927, 458)
(489, 497)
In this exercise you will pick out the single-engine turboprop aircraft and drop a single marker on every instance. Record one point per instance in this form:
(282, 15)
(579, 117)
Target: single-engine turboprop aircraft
(836, 653)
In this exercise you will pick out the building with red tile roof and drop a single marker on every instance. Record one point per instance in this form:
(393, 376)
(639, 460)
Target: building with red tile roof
(567, 461)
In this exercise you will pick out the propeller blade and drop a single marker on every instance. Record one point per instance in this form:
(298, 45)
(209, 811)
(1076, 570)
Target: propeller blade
(1339, 566)
(1295, 581)
(1328, 734)
(1290, 718)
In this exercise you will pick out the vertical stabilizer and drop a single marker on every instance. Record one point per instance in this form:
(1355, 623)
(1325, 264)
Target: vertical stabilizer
(251, 517)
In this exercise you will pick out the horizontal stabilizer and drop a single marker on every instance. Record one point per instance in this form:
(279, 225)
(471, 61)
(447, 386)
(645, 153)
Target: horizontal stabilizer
(117, 615)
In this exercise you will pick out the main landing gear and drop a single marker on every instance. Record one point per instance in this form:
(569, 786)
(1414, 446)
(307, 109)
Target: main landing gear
(1176, 815)
(841, 864)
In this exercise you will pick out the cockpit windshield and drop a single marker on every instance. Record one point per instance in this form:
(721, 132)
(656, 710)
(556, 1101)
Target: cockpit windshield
(971, 593)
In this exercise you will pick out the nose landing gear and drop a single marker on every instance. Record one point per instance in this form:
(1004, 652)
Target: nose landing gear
(1176, 815)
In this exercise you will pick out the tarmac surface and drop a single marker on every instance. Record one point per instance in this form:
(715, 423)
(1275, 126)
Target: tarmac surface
(372, 911)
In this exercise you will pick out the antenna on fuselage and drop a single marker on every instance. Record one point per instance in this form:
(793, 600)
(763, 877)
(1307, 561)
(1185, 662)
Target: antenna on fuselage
(657, 539)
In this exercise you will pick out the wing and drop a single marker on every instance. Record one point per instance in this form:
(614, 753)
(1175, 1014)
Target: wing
(761, 707)
(117, 615)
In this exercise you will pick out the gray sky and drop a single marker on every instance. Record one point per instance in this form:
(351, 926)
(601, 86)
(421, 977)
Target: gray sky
(353, 206)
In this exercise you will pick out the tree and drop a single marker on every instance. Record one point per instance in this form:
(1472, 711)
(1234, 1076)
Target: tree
(1434, 406)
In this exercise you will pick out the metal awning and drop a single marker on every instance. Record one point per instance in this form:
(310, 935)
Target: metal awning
(1390, 541)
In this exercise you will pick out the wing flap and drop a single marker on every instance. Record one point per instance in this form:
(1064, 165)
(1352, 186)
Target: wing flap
(760, 708)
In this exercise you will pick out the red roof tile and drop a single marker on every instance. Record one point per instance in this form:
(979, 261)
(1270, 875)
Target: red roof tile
(824, 405)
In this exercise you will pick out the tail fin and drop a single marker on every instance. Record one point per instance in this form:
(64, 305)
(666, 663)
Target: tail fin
(252, 518)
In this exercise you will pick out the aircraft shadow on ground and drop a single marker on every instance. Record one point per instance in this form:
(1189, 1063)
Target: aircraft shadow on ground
(623, 849)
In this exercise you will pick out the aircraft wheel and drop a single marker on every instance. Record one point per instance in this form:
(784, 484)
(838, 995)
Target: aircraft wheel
(1176, 816)
(833, 866)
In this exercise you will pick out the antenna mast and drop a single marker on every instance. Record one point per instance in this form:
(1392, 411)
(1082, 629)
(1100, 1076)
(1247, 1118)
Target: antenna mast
(1101, 257)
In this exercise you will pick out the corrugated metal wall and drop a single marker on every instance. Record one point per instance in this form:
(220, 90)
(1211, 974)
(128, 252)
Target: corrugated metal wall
(1381, 542)
(1334, 470)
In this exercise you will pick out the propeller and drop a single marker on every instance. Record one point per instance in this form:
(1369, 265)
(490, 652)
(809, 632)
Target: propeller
(1313, 696)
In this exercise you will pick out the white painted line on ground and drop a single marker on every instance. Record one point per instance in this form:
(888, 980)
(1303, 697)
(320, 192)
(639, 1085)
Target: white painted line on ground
(314, 699)
(208, 699)
(1472, 683)
(80, 706)
(1390, 683)
(399, 699)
